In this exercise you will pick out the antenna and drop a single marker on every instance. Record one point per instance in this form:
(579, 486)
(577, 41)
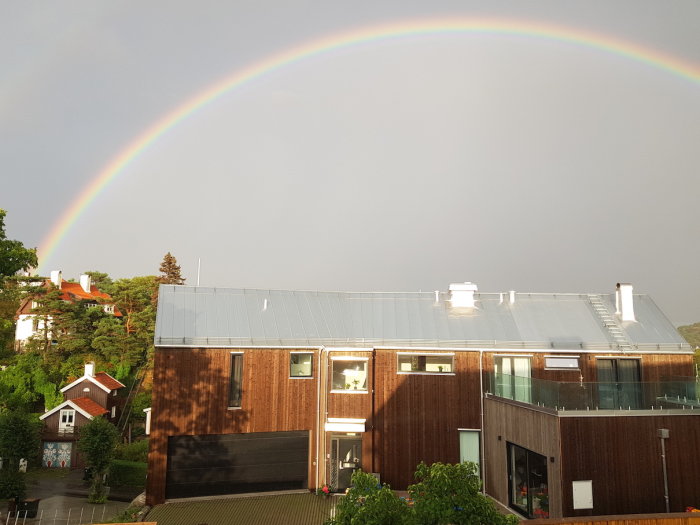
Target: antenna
(199, 267)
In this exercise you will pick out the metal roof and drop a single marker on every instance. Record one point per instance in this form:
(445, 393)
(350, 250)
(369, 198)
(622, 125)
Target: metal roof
(248, 318)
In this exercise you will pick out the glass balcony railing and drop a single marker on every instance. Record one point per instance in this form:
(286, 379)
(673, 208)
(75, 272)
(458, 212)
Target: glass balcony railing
(678, 393)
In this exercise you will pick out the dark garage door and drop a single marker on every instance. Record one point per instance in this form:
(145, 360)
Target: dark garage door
(235, 463)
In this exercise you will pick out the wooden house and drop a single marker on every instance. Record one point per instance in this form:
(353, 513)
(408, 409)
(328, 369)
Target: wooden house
(260, 390)
(92, 395)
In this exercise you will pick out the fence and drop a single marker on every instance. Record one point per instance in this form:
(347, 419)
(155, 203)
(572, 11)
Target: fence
(71, 516)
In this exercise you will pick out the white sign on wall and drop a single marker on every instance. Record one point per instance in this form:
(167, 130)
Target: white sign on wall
(583, 494)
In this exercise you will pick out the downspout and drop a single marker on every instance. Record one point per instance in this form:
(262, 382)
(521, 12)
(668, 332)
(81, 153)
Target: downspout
(318, 412)
(374, 360)
(481, 415)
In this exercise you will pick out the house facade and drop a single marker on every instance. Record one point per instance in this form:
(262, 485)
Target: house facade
(92, 395)
(29, 324)
(268, 390)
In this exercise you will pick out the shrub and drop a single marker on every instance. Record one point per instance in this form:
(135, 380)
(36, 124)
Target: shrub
(12, 484)
(129, 473)
(136, 451)
(370, 502)
(450, 494)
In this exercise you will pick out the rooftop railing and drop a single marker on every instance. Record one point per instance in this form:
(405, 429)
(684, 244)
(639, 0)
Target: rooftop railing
(678, 393)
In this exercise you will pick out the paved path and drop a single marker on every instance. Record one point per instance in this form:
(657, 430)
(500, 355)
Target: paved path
(60, 505)
(282, 509)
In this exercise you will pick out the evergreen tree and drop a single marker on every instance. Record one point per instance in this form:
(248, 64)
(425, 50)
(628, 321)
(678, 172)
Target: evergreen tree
(170, 271)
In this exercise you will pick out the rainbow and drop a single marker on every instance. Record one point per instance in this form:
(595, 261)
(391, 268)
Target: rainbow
(568, 35)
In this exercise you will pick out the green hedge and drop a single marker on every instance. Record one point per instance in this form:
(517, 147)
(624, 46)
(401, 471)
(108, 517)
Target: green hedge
(127, 473)
(136, 451)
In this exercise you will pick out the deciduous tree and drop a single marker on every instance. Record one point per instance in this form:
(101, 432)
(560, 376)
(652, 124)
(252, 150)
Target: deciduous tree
(98, 440)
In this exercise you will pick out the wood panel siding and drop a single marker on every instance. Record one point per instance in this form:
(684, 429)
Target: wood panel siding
(417, 417)
(622, 456)
(190, 397)
(507, 422)
(94, 392)
(676, 518)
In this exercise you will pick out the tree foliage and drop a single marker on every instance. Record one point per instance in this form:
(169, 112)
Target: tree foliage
(13, 255)
(98, 440)
(444, 494)
(19, 437)
(170, 271)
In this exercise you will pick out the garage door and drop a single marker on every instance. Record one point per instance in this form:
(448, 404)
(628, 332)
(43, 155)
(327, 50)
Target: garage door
(235, 463)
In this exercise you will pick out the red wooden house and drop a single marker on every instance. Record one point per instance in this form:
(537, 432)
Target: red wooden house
(92, 395)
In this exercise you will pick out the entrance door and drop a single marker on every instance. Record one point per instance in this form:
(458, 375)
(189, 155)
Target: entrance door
(470, 448)
(619, 383)
(346, 458)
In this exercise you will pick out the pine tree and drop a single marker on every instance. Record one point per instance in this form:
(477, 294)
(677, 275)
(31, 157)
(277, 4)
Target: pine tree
(170, 271)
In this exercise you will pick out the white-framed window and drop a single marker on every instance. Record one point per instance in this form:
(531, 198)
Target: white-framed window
(561, 362)
(114, 411)
(66, 420)
(301, 364)
(349, 374)
(411, 363)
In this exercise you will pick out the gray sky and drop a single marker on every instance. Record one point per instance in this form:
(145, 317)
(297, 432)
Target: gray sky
(516, 162)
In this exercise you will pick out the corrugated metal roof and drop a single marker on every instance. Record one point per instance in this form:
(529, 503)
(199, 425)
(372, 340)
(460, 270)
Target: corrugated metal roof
(216, 317)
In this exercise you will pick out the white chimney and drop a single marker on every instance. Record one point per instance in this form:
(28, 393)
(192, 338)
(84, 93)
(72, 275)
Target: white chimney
(462, 295)
(624, 302)
(85, 282)
(511, 296)
(56, 277)
(90, 369)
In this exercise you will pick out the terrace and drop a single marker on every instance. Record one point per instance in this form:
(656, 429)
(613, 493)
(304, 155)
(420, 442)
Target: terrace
(680, 393)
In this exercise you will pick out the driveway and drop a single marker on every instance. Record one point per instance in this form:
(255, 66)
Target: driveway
(280, 509)
(63, 500)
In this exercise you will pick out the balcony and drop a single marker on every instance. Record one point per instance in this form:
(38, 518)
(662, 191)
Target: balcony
(676, 394)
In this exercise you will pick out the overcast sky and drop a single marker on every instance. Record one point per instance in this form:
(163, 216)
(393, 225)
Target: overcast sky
(517, 162)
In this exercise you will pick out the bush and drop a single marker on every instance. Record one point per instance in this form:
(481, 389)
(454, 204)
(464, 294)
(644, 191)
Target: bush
(136, 451)
(444, 494)
(12, 484)
(127, 473)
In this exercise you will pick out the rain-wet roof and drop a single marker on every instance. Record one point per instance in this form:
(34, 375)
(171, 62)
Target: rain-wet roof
(249, 318)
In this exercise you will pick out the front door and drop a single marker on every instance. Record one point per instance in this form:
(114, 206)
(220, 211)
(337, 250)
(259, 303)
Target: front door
(346, 458)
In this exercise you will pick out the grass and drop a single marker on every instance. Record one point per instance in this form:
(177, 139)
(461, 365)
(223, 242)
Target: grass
(34, 474)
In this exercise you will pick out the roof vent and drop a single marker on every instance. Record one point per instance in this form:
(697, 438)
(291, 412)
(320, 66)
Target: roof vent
(462, 295)
(511, 296)
(624, 302)
(56, 277)
(85, 282)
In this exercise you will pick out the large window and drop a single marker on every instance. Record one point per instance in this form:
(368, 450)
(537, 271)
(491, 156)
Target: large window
(529, 491)
(349, 374)
(301, 364)
(618, 383)
(235, 380)
(425, 364)
(513, 377)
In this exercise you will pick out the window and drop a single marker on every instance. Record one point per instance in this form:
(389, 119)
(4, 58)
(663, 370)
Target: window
(349, 374)
(527, 474)
(512, 374)
(425, 363)
(114, 411)
(236, 378)
(301, 364)
(557, 362)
